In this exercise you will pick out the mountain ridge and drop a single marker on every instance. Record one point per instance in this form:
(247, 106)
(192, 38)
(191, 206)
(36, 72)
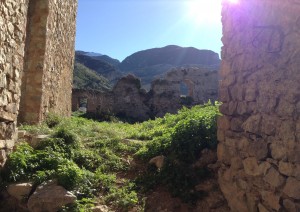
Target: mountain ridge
(149, 64)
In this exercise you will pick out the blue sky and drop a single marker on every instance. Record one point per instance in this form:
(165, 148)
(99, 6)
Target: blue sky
(119, 28)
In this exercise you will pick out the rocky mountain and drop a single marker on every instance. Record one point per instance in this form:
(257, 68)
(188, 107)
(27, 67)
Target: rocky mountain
(111, 61)
(149, 64)
(169, 55)
(155, 63)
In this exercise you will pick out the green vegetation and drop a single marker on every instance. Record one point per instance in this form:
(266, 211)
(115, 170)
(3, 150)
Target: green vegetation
(85, 78)
(92, 159)
(180, 138)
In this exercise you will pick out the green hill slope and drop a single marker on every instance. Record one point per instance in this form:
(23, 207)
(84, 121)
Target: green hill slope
(85, 78)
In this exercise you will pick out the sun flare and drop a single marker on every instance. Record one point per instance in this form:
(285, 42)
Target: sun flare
(204, 11)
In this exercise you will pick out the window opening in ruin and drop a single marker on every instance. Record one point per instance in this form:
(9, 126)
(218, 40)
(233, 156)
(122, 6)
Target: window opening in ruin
(83, 102)
(184, 90)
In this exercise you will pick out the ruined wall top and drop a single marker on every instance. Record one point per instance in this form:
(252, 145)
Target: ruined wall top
(128, 99)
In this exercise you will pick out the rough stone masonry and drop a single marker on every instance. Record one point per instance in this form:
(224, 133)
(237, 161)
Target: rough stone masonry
(259, 133)
(36, 60)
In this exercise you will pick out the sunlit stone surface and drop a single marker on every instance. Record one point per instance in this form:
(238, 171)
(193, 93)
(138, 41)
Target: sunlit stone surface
(260, 132)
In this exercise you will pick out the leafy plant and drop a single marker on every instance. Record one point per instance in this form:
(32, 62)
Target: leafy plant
(53, 120)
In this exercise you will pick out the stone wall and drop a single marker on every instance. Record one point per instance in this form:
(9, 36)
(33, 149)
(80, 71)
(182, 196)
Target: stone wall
(36, 63)
(259, 133)
(12, 42)
(59, 57)
(202, 85)
(96, 100)
(128, 99)
(47, 79)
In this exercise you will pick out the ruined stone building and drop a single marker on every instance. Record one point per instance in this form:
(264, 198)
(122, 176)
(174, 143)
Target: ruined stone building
(259, 134)
(36, 62)
(128, 99)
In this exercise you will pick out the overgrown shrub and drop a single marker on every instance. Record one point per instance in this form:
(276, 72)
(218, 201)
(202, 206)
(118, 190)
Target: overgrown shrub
(87, 157)
(181, 141)
(53, 120)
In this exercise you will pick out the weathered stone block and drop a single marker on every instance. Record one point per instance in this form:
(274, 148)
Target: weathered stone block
(221, 135)
(224, 153)
(262, 208)
(270, 124)
(37, 139)
(253, 124)
(286, 168)
(242, 108)
(287, 131)
(49, 197)
(291, 206)
(278, 150)
(236, 125)
(258, 149)
(250, 94)
(285, 108)
(224, 95)
(223, 122)
(2, 144)
(236, 163)
(253, 169)
(274, 178)
(271, 199)
(294, 154)
(292, 188)
(266, 104)
(2, 156)
(20, 191)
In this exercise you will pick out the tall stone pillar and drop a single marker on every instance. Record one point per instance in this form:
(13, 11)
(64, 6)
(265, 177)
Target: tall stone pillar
(259, 133)
(48, 72)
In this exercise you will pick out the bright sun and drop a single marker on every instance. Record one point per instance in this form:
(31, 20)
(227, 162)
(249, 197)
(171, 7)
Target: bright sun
(205, 11)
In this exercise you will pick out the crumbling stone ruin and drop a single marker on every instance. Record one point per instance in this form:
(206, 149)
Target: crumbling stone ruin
(36, 60)
(128, 99)
(259, 133)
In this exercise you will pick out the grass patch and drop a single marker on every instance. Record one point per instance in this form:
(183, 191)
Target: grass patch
(86, 156)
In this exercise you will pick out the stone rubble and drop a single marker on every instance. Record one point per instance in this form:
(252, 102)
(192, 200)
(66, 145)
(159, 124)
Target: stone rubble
(49, 197)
